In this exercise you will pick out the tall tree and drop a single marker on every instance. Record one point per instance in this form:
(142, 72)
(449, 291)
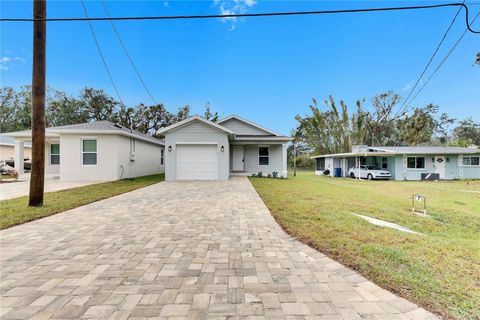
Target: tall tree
(209, 114)
(63, 110)
(98, 104)
(8, 109)
(467, 132)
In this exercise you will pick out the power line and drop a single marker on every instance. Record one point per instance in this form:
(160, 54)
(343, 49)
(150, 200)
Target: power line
(443, 60)
(243, 15)
(127, 54)
(402, 108)
(101, 54)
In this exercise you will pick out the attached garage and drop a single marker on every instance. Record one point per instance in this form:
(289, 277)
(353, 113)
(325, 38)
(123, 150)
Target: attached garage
(197, 162)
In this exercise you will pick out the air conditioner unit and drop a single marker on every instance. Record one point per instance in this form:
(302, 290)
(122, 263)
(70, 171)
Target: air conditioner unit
(132, 157)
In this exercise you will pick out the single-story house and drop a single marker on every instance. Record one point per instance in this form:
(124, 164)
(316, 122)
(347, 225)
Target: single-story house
(199, 149)
(7, 148)
(406, 163)
(95, 151)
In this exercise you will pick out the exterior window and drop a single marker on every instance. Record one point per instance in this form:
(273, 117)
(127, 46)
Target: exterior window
(263, 156)
(320, 164)
(54, 154)
(471, 161)
(89, 152)
(384, 162)
(416, 162)
(162, 154)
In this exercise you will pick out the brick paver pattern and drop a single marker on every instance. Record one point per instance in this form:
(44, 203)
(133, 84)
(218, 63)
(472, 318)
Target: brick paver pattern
(180, 250)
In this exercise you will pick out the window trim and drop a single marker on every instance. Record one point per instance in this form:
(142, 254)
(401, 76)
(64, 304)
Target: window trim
(384, 162)
(82, 152)
(267, 156)
(470, 165)
(418, 169)
(55, 154)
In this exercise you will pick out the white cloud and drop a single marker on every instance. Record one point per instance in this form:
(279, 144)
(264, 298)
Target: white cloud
(229, 7)
(8, 62)
(408, 86)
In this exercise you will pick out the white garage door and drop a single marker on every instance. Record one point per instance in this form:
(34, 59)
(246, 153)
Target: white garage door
(197, 162)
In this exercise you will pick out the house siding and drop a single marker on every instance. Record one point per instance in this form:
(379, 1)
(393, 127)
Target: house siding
(113, 151)
(276, 159)
(146, 161)
(196, 132)
(242, 128)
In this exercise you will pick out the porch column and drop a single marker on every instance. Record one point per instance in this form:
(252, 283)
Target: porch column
(19, 156)
(284, 160)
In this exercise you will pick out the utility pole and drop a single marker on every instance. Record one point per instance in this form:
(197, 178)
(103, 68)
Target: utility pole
(37, 177)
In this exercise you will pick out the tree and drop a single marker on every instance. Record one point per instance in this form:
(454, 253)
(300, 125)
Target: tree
(63, 110)
(8, 109)
(382, 123)
(467, 132)
(209, 115)
(98, 104)
(420, 126)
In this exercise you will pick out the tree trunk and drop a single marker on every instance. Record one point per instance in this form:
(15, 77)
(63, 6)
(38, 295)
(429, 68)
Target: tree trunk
(38, 103)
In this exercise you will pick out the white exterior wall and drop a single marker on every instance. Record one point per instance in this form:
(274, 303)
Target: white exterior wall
(51, 169)
(196, 133)
(146, 160)
(277, 159)
(112, 151)
(71, 167)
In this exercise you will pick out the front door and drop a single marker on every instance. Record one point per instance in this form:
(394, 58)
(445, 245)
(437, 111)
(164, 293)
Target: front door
(440, 166)
(238, 158)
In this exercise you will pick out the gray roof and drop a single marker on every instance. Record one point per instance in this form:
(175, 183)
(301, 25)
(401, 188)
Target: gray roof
(391, 151)
(99, 126)
(427, 150)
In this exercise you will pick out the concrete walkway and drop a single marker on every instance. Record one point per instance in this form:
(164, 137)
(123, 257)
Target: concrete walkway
(21, 188)
(192, 250)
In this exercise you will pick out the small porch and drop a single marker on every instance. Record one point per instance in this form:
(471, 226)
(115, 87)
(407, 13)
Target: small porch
(251, 158)
(52, 155)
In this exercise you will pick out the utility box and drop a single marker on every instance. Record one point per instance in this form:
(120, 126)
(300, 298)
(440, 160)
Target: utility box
(430, 176)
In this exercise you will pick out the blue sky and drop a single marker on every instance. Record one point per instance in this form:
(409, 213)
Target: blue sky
(264, 69)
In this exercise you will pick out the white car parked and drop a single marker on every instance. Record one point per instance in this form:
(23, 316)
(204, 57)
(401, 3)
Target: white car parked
(368, 172)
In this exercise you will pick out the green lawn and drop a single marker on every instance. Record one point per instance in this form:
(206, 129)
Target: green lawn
(16, 211)
(440, 270)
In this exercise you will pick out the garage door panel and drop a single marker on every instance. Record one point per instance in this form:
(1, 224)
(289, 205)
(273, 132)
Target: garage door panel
(197, 162)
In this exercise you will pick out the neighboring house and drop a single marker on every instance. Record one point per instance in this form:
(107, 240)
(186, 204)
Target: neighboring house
(407, 163)
(96, 151)
(7, 148)
(199, 149)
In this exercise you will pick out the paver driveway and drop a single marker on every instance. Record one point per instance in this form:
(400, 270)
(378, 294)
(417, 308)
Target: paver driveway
(198, 250)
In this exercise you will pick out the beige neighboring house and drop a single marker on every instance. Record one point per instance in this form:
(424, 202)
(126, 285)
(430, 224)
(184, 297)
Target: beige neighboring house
(95, 151)
(7, 148)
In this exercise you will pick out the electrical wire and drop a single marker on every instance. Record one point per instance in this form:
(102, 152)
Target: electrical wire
(243, 15)
(140, 78)
(443, 60)
(402, 108)
(101, 54)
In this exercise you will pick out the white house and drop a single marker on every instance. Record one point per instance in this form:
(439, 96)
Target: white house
(406, 163)
(199, 149)
(96, 151)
